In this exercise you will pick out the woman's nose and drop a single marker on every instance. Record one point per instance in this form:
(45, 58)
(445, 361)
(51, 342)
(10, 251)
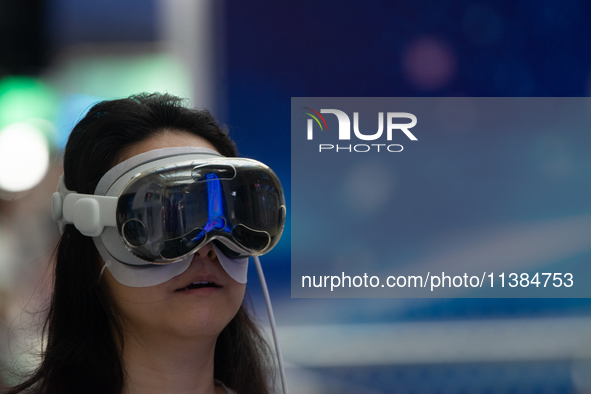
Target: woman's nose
(206, 251)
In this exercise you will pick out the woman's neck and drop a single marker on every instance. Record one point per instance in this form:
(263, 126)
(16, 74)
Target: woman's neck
(169, 365)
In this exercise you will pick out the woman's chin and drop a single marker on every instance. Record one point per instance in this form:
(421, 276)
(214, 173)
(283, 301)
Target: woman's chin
(203, 322)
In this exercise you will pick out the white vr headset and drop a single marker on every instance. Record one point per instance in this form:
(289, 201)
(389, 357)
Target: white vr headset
(149, 214)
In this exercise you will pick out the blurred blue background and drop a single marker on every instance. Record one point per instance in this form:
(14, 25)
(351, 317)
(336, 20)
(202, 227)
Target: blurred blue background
(244, 61)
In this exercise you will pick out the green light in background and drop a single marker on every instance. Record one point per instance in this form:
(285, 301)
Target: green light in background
(24, 98)
(27, 109)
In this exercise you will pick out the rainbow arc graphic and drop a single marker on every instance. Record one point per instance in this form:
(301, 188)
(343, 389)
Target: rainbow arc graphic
(316, 118)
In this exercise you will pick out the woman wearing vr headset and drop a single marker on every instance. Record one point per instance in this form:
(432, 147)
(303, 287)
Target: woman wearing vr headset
(157, 225)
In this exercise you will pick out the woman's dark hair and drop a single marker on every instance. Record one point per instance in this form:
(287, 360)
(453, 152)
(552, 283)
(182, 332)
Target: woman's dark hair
(84, 336)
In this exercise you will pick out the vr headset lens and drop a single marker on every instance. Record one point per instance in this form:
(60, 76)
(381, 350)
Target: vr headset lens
(169, 212)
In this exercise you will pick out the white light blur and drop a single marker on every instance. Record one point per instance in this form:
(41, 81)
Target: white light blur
(186, 32)
(24, 157)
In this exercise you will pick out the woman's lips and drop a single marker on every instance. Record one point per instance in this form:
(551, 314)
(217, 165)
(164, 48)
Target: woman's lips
(200, 284)
(200, 281)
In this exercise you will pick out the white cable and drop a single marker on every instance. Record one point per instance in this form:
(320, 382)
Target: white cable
(272, 321)
(108, 263)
